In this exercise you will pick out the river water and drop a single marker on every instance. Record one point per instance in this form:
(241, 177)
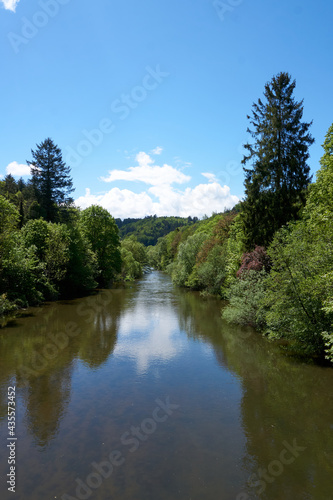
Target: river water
(144, 393)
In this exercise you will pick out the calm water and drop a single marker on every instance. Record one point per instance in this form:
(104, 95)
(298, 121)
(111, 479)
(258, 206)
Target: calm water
(145, 393)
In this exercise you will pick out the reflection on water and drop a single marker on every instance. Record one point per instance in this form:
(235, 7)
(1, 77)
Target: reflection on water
(149, 328)
(89, 373)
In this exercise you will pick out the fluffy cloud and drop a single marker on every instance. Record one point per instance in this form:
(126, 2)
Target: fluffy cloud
(161, 198)
(10, 4)
(120, 203)
(148, 173)
(17, 169)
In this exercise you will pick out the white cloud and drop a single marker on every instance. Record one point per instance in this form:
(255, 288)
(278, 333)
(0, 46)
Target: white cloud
(157, 151)
(148, 173)
(201, 200)
(17, 169)
(161, 197)
(210, 177)
(120, 203)
(10, 4)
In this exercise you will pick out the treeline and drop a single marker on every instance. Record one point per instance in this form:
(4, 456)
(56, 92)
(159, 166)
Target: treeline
(148, 230)
(272, 261)
(50, 249)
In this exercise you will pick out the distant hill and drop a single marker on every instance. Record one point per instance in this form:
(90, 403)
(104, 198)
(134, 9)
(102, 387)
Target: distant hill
(149, 229)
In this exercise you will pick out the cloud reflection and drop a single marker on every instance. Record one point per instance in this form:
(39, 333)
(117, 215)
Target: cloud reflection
(149, 335)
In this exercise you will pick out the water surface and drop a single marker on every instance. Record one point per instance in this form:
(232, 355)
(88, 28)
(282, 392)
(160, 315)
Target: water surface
(185, 406)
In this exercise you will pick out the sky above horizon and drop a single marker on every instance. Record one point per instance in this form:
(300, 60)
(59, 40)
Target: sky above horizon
(148, 100)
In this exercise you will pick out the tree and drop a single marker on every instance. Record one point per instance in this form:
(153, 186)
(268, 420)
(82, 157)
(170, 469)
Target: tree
(320, 200)
(275, 186)
(299, 293)
(51, 179)
(101, 230)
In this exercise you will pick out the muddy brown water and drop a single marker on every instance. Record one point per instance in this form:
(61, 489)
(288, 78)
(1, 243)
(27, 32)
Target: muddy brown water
(144, 393)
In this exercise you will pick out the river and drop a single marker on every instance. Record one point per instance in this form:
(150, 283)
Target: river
(144, 393)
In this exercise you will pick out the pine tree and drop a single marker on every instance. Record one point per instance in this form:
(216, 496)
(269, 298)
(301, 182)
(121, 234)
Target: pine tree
(51, 179)
(276, 184)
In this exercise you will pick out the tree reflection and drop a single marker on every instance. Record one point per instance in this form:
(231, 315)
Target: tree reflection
(39, 351)
(283, 400)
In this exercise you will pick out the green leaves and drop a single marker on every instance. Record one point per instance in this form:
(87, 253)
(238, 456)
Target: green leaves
(102, 233)
(246, 295)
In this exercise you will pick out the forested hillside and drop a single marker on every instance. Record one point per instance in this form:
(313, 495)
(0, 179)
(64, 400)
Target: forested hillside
(148, 230)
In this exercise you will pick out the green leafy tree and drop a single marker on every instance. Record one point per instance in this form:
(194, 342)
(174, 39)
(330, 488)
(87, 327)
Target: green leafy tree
(35, 233)
(246, 295)
(186, 258)
(300, 286)
(23, 276)
(136, 248)
(102, 232)
(276, 183)
(51, 179)
(131, 269)
(320, 200)
(133, 258)
(297, 287)
(82, 263)
(9, 218)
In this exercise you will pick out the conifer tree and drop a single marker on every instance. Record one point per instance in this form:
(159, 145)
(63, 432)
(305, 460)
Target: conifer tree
(51, 179)
(276, 184)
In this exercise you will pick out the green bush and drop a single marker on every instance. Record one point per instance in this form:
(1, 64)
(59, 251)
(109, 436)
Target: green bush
(246, 295)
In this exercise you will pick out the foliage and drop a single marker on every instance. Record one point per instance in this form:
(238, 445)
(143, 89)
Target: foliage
(6, 307)
(148, 230)
(234, 252)
(136, 248)
(9, 217)
(36, 233)
(275, 185)
(209, 274)
(23, 196)
(319, 205)
(246, 295)
(51, 179)
(23, 276)
(82, 266)
(300, 286)
(186, 258)
(133, 257)
(131, 269)
(255, 261)
(102, 232)
(297, 287)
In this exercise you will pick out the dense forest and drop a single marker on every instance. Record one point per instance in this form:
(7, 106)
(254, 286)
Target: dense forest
(151, 228)
(270, 257)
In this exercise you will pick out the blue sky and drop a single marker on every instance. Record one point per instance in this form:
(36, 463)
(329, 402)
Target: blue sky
(148, 100)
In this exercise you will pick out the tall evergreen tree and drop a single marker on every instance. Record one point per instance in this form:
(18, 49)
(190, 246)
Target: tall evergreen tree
(51, 179)
(275, 186)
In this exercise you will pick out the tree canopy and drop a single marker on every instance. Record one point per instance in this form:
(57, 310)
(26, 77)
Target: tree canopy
(102, 232)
